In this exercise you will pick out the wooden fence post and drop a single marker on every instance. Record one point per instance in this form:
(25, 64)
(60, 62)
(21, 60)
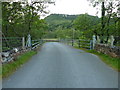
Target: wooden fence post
(79, 43)
(91, 44)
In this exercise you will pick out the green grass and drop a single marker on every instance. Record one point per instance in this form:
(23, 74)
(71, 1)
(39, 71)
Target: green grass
(110, 61)
(0, 72)
(8, 69)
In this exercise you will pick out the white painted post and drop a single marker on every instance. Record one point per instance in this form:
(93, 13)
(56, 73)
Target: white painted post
(111, 40)
(94, 41)
(23, 42)
(29, 41)
(98, 40)
(29, 44)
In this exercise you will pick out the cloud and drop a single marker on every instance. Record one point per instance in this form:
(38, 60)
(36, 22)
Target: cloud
(72, 7)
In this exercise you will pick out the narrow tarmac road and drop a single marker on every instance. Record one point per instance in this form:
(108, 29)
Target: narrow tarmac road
(60, 66)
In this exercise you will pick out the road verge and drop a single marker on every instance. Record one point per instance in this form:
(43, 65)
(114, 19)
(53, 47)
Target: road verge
(9, 68)
(110, 61)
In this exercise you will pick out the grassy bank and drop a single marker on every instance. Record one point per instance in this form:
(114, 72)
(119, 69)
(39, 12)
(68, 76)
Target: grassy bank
(110, 61)
(8, 69)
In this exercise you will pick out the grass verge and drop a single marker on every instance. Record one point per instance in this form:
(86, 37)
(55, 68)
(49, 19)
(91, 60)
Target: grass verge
(110, 61)
(8, 69)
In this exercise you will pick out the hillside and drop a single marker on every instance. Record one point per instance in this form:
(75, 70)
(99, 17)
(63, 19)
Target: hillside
(64, 21)
(59, 18)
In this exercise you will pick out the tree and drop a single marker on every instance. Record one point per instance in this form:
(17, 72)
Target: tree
(109, 11)
(84, 23)
(20, 18)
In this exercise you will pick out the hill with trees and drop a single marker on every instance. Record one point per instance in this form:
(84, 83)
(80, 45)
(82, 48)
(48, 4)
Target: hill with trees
(62, 25)
(60, 20)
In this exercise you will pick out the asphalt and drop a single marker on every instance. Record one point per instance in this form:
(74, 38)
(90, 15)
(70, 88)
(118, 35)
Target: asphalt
(60, 66)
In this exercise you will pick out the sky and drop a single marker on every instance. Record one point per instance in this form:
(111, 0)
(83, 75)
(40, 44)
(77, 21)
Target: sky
(73, 7)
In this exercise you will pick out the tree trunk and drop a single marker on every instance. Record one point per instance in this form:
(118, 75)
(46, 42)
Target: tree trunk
(103, 22)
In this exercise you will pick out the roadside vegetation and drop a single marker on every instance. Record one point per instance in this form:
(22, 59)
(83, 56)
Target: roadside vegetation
(110, 61)
(8, 69)
(84, 26)
(0, 69)
(21, 19)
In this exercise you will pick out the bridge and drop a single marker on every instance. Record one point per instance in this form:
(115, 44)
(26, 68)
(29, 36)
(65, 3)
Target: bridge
(58, 65)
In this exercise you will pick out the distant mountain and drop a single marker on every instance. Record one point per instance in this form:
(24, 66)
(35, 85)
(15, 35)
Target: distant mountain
(54, 18)
(60, 20)
(63, 20)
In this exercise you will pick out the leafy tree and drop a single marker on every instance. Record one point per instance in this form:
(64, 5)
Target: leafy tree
(110, 11)
(23, 18)
(85, 23)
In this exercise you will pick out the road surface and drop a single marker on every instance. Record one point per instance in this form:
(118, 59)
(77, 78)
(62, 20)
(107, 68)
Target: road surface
(60, 66)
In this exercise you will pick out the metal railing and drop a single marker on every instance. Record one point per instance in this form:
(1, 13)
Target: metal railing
(9, 43)
(81, 43)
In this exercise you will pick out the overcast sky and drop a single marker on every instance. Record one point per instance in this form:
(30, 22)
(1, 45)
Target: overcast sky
(72, 7)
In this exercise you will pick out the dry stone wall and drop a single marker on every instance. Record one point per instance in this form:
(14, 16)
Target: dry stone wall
(112, 51)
